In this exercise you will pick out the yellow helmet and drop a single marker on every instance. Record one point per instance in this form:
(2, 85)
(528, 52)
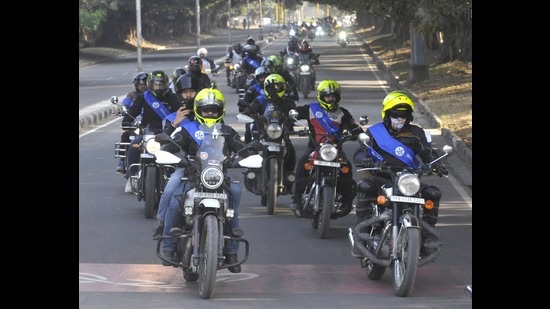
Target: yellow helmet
(209, 99)
(325, 87)
(277, 82)
(397, 100)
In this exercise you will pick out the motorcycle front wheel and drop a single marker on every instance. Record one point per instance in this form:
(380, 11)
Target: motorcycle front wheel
(326, 202)
(208, 264)
(405, 265)
(273, 185)
(152, 194)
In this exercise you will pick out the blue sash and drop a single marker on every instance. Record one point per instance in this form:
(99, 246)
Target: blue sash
(172, 116)
(157, 106)
(192, 127)
(393, 146)
(253, 63)
(258, 88)
(324, 120)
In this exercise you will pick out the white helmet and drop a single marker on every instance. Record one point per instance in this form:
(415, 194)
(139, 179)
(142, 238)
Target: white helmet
(202, 51)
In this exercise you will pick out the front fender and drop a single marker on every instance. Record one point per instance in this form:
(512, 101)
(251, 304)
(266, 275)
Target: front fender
(408, 220)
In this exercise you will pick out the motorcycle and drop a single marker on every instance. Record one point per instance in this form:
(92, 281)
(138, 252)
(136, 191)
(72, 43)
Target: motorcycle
(322, 199)
(305, 73)
(134, 128)
(392, 237)
(343, 38)
(149, 176)
(270, 180)
(206, 210)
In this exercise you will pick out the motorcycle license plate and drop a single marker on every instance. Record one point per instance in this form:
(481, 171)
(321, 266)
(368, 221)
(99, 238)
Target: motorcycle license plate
(325, 163)
(407, 199)
(210, 195)
(305, 73)
(273, 148)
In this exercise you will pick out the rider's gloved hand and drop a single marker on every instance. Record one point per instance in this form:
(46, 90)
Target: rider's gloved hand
(366, 163)
(439, 169)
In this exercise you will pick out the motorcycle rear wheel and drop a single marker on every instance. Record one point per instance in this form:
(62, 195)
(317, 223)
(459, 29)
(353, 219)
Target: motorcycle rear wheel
(208, 264)
(405, 266)
(273, 185)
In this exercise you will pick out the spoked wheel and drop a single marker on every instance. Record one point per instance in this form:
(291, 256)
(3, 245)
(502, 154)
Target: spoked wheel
(152, 194)
(273, 185)
(406, 264)
(208, 264)
(327, 200)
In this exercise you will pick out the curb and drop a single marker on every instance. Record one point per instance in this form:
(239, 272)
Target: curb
(462, 150)
(96, 117)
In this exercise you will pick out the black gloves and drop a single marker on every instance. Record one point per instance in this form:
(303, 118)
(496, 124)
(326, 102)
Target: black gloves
(242, 105)
(365, 163)
(439, 169)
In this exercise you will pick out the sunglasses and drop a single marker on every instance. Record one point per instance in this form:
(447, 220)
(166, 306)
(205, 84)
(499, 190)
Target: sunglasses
(398, 114)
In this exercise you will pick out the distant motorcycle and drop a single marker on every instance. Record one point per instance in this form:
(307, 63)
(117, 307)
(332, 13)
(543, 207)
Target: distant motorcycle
(305, 72)
(343, 38)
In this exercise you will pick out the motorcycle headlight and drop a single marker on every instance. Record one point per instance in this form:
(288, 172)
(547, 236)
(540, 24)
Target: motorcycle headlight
(304, 68)
(289, 61)
(236, 66)
(291, 32)
(274, 130)
(152, 146)
(328, 152)
(212, 177)
(408, 184)
(342, 35)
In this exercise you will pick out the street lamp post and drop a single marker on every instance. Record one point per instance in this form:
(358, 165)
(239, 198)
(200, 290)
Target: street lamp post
(229, 21)
(261, 37)
(198, 8)
(138, 34)
(247, 20)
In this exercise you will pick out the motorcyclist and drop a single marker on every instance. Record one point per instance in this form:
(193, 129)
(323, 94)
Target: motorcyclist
(251, 60)
(291, 90)
(292, 47)
(140, 85)
(186, 91)
(325, 116)
(194, 70)
(305, 49)
(395, 131)
(179, 71)
(209, 110)
(254, 91)
(157, 102)
(234, 56)
(208, 65)
(274, 87)
(251, 41)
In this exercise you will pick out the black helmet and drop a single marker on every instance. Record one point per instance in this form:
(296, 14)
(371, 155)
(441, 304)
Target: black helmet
(269, 65)
(250, 41)
(186, 82)
(238, 48)
(140, 78)
(195, 64)
(261, 73)
(250, 50)
(158, 83)
(177, 73)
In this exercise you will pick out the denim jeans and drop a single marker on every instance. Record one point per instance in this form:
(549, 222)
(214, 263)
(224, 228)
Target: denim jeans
(133, 155)
(169, 190)
(174, 218)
